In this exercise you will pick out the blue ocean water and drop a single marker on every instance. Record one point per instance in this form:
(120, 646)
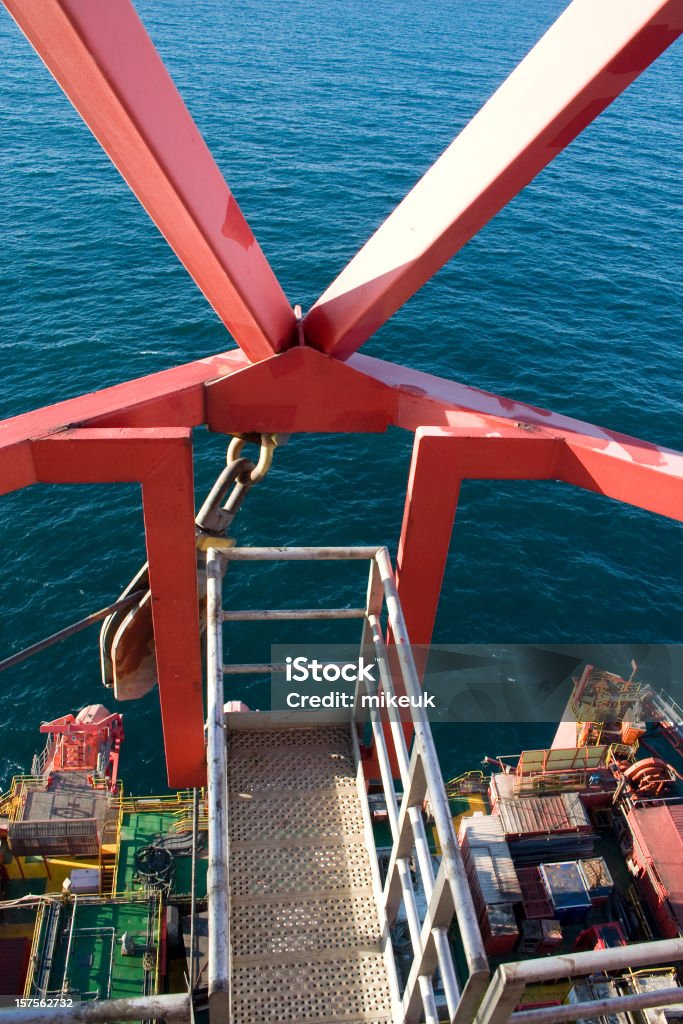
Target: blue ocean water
(321, 117)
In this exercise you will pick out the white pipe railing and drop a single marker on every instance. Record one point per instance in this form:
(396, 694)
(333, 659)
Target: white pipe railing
(447, 972)
(598, 1007)
(170, 1008)
(453, 895)
(217, 789)
(507, 986)
(300, 554)
(287, 614)
(448, 895)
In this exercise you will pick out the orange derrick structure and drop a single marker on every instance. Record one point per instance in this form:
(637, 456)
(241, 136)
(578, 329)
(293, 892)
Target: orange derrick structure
(294, 374)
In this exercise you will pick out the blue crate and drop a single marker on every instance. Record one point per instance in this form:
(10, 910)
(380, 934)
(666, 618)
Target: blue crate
(566, 888)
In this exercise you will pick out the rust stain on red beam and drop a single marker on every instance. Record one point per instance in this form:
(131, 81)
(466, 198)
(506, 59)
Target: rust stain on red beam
(102, 57)
(161, 459)
(585, 60)
(299, 390)
(166, 399)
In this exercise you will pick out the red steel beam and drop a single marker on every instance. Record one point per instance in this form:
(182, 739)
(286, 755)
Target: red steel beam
(585, 60)
(474, 434)
(171, 398)
(299, 390)
(443, 458)
(635, 471)
(161, 460)
(168, 504)
(102, 57)
(439, 464)
(302, 390)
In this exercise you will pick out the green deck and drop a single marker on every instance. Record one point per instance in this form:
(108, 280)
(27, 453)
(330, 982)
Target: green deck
(139, 829)
(88, 960)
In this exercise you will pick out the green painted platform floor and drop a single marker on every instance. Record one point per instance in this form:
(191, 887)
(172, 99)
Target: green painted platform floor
(89, 960)
(140, 829)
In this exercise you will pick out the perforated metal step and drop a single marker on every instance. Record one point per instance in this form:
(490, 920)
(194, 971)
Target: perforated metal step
(304, 931)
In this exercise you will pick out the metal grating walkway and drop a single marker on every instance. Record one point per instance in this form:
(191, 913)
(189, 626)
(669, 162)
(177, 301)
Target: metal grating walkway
(304, 929)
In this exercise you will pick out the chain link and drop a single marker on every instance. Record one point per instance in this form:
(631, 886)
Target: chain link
(223, 503)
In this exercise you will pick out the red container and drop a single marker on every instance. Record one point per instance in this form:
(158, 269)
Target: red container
(499, 929)
(658, 854)
(535, 897)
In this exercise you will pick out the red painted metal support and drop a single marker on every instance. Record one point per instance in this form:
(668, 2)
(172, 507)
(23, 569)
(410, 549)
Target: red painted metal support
(477, 435)
(638, 472)
(168, 502)
(300, 390)
(474, 435)
(108, 67)
(442, 459)
(172, 398)
(431, 500)
(585, 60)
(161, 460)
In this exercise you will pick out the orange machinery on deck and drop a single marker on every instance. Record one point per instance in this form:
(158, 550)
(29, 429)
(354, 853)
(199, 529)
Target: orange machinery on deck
(89, 741)
(657, 833)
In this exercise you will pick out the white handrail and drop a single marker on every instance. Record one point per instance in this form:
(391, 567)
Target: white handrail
(217, 776)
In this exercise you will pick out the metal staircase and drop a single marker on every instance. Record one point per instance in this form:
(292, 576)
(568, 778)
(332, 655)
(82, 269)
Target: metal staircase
(305, 934)
(301, 919)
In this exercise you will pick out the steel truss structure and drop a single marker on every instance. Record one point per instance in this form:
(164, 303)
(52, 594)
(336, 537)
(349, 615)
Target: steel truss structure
(290, 375)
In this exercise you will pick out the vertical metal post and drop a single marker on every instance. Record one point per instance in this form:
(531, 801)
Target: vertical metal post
(193, 889)
(168, 505)
(65, 978)
(431, 502)
(216, 753)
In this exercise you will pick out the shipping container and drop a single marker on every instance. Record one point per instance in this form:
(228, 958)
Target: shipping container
(567, 892)
(597, 879)
(499, 929)
(535, 901)
(543, 815)
(492, 876)
(657, 834)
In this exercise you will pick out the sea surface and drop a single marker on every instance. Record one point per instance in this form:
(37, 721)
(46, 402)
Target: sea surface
(321, 117)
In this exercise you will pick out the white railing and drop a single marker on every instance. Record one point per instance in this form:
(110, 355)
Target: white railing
(40, 761)
(447, 894)
(448, 897)
(506, 990)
